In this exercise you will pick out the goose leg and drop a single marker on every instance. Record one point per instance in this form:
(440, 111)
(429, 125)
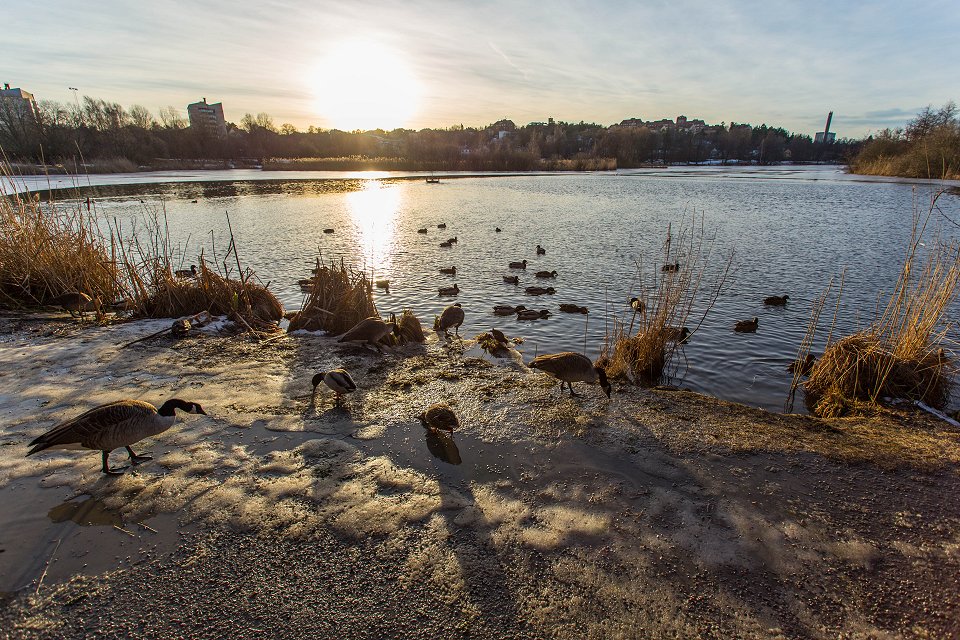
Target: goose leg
(106, 467)
(572, 393)
(135, 459)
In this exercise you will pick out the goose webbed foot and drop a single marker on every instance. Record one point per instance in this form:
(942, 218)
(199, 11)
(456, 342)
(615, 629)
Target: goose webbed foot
(135, 459)
(106, 467)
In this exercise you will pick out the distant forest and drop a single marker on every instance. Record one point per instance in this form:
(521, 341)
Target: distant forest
(107, 136)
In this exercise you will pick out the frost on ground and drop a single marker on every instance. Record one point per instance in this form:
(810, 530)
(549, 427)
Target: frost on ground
(655, 514)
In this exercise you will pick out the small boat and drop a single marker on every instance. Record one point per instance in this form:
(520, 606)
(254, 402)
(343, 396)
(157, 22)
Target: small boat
(433, 180)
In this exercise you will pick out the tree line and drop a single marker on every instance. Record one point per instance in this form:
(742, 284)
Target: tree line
(94, 129)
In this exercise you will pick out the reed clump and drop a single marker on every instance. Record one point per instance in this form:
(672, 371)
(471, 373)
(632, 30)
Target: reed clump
(338, 298)
(48, 249)
(901, 355)
(410, 328)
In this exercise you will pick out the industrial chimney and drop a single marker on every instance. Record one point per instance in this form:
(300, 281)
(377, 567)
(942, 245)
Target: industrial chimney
(826, 130)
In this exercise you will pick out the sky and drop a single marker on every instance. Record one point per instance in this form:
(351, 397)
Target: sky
(366, 64)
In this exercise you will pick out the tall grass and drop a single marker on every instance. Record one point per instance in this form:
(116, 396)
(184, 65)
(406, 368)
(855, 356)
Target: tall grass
(903, 353)
(644, 346)
(338, 298)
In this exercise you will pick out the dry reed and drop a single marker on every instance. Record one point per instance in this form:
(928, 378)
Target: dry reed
(338, 299)
(410, 328)
(901, 354)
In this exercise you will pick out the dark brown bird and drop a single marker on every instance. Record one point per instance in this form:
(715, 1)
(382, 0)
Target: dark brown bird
(452, 316)
(676, 334)
(507, 310)
(519, 265)
(571, 367)
(449, 270)
(573, 308)
(804, 366)
(440, 416)
(75, 302)
(546, 274)
(541, 251)
(668, 268)
(747, 326)
(449, 291)
(186, 273)
(511, 279)
(776, 301)
(539, 291)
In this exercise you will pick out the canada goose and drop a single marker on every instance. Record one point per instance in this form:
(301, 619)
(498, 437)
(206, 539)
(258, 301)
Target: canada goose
(511, 279)
(637, 305)
(186, 273)
(422, 230)
(804, 366)
(370, 331)
(442, 225)
(669, 268)
(337, 380)
(676, 334)
(445, 245)
(532, 314)
(449, 291)
(114, 425)
(449, 270)
(452, 316)
(328, 230)
(507, 310)
(75, 302)
(440, 416)
(571, 367)
(747, 326)
(546, 274)
(383, 284)
(498, 229)
(452, 240)
(538, 291)
(541, 251)
(573, 308)
(776, 301)
(519, 265)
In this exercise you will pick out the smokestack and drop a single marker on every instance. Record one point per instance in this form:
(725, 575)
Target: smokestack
(827, 128)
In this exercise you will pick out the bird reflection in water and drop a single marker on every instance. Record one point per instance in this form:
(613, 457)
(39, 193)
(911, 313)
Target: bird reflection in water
(442, 446)
(87, 513)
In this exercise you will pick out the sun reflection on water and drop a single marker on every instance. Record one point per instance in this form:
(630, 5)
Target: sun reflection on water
(374, 210)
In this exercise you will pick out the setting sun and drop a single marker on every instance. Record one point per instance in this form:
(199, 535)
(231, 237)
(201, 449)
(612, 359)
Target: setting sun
(365, 85)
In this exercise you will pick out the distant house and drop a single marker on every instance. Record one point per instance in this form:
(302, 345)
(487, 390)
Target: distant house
(207, 117)
(631, 123)
(18, 103)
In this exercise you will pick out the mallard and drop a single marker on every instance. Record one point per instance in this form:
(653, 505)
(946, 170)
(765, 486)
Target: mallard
(186, 273)
(546, 274)
(747, 326)
(511, 279)
(422, 230)
(442, 225)
(449, 270)
(445, 245)
(75, 302)
(539, 291)
(452, 316)
(667, 268)
(498, 229)
(637, 305)
(519, 265)
(571, 367)
(803, 366)
(383, 284)
(500, 336)
(776, 301)
(337, 380)
(541, 251)
(532, 314)
(328, 230)
(440, 416)
(507, 310)
(452, 240)
(114, 425)
(449, 291)
(573, 308)
(676, 334)
(370, 331)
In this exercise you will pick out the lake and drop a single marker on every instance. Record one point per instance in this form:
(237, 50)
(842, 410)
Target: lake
(789, 230)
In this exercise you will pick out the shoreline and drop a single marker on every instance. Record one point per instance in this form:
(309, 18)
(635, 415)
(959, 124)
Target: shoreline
(660, 510)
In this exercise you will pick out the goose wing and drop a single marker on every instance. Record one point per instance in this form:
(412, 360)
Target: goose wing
(363, 330)
(567, 365)
(92, 423)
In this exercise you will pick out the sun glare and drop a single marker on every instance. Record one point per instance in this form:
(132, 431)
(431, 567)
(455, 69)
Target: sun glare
(374, 209)
(364, 85)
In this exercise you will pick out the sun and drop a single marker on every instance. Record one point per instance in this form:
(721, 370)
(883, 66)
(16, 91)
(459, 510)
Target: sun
(365, 85)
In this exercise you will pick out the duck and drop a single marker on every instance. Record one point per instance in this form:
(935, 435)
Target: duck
(449, 291)
(186, 273)
(532, 314)
(511, 279)
(498, 230)
(383, 284)
(337, 380)
(328, 230)
(676, 334)
(449, 270)
(113, 425)
(452, 316)
(637, 305)
(452, 240)
(500, 337)
(669, 268)
(538, 291)
(440, 416)
(573, 308)
(445, 245)
(305, 283)
(507, 310)
(76, 302)
(541, 251)
(422, 230)
(747, 326)
(442, 225)
(804, 366)
(370, 331)
(519, 265)
(570, 367)
(776, 301)
(546, 274)
(191, 202)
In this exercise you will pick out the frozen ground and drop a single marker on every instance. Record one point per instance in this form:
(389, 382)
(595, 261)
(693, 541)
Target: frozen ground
(659, 513)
